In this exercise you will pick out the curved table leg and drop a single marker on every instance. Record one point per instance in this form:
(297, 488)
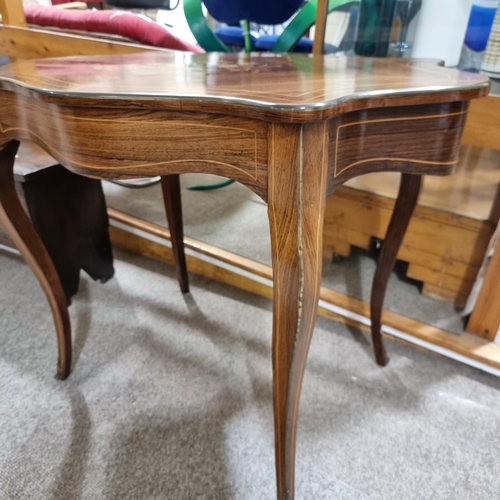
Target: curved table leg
(171, 188)
(19, 227)
(409, 190)
(296, 209)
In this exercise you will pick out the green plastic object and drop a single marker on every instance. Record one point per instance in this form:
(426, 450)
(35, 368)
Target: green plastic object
(304, 19)
(209, 187)
(246, 34)
(201, 29)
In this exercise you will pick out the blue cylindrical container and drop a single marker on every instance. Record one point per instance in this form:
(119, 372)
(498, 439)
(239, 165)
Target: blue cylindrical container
(480, 22)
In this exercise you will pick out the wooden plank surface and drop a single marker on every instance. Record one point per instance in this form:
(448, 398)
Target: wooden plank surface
(30, 43)
(482, 126)
(12, 12)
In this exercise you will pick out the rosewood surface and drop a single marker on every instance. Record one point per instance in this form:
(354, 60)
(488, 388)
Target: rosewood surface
(291, 128)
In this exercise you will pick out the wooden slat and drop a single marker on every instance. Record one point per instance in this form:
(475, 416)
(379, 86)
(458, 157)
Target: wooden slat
(29, 43)
(470, 346)
(482, 126)
(443, 294)
(320, 27)
(12, 12)
(485, 319)
(439, 279)
(438, 240)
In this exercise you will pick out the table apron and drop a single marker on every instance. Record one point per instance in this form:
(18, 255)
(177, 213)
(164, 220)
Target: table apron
(421, 139)
(126, 143)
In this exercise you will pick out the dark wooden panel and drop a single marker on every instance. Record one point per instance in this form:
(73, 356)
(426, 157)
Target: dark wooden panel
(385, 139)
(68, 212)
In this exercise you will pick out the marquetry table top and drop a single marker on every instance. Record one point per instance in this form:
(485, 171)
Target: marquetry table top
(289, 127)
(307, 87)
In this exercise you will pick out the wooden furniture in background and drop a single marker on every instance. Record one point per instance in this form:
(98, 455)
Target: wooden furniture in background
(335, 120)
(68, 212)
(320, 27)
(12, 13)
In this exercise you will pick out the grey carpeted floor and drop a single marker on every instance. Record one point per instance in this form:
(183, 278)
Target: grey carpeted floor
(170, 396)
(235, 219)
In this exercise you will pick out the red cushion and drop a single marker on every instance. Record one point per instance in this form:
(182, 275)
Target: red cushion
(113, 22)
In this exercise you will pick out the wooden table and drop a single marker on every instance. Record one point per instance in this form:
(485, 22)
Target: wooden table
(291, 128)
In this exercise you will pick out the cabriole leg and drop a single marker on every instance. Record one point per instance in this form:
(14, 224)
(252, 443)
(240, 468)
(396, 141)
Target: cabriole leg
(19, 228)
(297, 192)
(409, 190)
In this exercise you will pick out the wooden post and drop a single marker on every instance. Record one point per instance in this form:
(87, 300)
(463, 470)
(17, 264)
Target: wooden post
(483, 130)
(485, 319)
(495, 208)
(320, 27)
(12, 12)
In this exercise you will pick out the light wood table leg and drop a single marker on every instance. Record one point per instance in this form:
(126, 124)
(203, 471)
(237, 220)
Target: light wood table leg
(171, 188)
(297, 192)
(409, 191)
(19, 228)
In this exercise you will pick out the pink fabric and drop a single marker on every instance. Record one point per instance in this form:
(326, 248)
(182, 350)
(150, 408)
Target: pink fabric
(113, 22)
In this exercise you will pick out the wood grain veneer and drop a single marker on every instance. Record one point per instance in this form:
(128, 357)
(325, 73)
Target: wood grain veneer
(367, 141)
(273, 87)
(90, 142)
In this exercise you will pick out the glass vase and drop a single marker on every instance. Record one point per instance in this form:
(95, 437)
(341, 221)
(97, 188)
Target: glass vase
(376, 18)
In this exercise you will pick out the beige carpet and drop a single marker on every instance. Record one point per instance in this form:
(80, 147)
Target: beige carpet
(170, 398)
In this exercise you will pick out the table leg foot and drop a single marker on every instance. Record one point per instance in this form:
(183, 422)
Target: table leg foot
(409, 191)
(297, 195)
(19, 227)
(171, 188)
